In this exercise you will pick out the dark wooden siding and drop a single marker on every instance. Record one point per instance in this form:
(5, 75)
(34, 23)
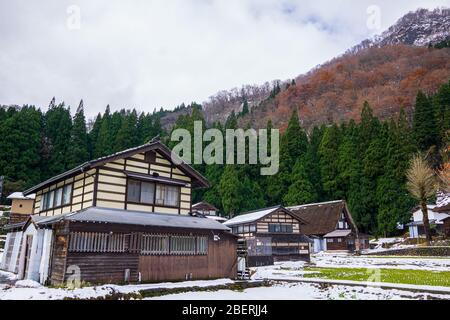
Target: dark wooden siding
(219, 263)
(447, 227)
(96, 268)
(336, 245)
(104, 267)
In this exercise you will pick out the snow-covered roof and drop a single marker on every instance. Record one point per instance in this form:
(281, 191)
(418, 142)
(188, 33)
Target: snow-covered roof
(443, 199)
(220, 219)
(251, 216)
(435, 216)
(314, 204)
(20, 196)
(338, 234)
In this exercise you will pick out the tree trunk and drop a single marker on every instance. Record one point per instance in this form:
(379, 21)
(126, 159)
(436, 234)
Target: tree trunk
(426, 222)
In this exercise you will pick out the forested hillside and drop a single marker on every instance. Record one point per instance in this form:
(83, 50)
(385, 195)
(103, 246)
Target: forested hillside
(362, 161)
(388, 78)
(36, 146)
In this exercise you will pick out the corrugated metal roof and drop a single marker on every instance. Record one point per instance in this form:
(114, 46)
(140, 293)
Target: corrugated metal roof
(116, 216)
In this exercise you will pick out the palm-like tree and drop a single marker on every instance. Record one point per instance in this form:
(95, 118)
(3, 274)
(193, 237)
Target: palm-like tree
(423, 185)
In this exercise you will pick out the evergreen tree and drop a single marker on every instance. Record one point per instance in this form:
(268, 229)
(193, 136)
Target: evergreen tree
(394, 201)
(103, 145)
(329, 165)
(301, 191)
(78, 152)
(293, 145)
(441, 105)
(424, 123)
(21, 145)
(127, 136)
(57, 129)
(93, 135)
(231, 191)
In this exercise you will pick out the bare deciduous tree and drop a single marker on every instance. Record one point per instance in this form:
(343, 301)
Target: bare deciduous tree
(423, 185)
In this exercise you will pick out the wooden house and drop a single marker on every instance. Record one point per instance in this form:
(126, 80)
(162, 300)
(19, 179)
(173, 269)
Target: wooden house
(272, 234)
(331, 227)
(120, 218)
(436, 217)
(447, 227)
(207, 210)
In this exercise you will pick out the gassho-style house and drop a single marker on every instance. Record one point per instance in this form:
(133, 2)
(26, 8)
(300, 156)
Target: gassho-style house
(117, 219)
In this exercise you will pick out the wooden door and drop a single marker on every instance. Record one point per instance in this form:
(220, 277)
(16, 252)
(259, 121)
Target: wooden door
(29, 242)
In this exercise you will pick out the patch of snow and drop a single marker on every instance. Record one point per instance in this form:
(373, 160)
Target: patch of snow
(251, 216)
(304, 291)
(27, 284)
(335, 261)
(7, 275)
(45, 293)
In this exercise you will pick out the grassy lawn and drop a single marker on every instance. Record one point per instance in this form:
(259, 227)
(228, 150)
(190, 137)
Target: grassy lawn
(417, 277)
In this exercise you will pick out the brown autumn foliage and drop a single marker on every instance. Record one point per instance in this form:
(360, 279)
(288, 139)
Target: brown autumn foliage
(388, 78)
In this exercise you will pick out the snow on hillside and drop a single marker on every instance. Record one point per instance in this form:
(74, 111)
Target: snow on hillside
(419, 28)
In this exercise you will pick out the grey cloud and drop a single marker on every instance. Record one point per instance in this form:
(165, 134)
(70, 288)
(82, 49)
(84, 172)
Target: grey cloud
(152, 54)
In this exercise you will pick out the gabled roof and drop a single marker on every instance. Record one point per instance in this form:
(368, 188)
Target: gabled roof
(129, 217)
(322, 218)
(197, 179)
(253, 216)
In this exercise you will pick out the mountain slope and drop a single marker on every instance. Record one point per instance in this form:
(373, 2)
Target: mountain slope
(387, 71)
(419, 28)
(388, 78)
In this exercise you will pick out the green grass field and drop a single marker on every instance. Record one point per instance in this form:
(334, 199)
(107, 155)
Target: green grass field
(417, 277)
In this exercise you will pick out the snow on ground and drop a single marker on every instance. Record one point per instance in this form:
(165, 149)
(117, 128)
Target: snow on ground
(342, 261)
(304, 291)
(28, 290)
(25, 290)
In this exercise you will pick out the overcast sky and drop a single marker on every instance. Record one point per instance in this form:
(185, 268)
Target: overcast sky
(152, 54)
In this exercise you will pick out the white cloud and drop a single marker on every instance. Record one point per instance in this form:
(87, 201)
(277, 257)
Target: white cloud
(148, 54)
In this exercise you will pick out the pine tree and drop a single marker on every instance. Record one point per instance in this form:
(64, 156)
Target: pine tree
(21, 145)
(293, 145)
(329, 166)
(127, 135)
(230, 191)
(103, 145)
(78, 152)
(93, 135)
(394, 201)
(424, 123)
(57, 128)
(441, 105)
(301, 191)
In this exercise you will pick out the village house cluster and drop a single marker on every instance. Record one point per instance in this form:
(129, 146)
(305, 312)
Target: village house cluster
(129, 217)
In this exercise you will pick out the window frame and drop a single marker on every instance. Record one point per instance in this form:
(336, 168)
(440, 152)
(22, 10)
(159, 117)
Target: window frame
(281, 228)
(154, 202)
(46, 206)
